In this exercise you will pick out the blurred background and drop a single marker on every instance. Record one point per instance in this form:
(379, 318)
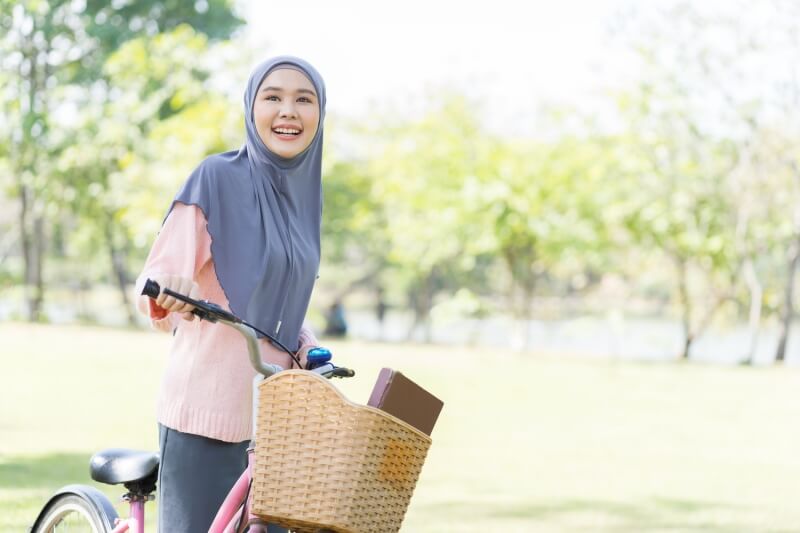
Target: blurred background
(573, 189)
(598, 177)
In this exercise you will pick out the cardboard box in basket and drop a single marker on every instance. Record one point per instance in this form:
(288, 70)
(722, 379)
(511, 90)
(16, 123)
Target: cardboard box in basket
(323, 462)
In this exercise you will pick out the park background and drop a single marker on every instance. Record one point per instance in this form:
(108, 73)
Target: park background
(579, 225)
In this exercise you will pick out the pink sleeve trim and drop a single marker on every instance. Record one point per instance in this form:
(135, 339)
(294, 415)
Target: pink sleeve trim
(182, 248)
(307, 337)
(307, 341)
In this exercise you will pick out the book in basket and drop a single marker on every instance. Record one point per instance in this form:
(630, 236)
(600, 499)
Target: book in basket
(401, 397)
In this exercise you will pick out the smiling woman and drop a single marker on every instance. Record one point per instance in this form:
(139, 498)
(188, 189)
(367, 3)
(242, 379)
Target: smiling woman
(244, 231)
(286, 112)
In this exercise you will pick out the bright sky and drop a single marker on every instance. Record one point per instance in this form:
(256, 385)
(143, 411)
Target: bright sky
(510, 54)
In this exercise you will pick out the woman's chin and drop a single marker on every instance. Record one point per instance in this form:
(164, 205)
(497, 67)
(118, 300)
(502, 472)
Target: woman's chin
(285, 150)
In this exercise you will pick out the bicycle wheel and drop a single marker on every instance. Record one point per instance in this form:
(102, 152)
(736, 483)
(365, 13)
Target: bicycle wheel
(71, 513)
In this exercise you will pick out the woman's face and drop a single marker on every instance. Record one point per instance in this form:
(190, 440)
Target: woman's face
(286, 112)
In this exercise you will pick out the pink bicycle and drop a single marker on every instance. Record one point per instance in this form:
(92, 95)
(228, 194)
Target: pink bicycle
(84, 508)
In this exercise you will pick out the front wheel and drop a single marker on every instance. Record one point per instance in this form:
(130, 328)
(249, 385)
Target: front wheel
(70, 512)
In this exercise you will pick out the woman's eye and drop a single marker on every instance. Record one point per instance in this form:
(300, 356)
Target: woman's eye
(304, 99)
(272, 98)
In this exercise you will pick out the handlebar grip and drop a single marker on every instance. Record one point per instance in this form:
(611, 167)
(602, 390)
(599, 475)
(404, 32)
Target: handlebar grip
(345, 372)
(203, 309)
(151, 289)
(328, 370)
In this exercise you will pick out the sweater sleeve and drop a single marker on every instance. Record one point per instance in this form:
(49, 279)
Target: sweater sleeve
(307, 341)
(181, 248)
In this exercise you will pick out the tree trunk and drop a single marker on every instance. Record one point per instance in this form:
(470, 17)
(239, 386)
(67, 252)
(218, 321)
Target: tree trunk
(427, 304)
(527, 312)
(754, 319)
(520, 295)
(516, 305)
(32, 237)
(788, 310)
(117, 256)
(31, 221)
(27, 246)
(687, 345)
(37, 280)
(421, 298)
(686, 308)
(413, 296)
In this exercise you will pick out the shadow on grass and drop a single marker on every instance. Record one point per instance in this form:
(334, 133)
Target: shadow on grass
(657, 514)
(49, 471)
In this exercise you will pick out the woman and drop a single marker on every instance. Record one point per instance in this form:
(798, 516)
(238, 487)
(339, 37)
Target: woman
(244, 232)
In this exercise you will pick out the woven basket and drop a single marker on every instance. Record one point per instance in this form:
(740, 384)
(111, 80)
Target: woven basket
(323, 462)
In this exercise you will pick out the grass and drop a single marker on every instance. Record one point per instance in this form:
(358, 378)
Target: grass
(524, 444)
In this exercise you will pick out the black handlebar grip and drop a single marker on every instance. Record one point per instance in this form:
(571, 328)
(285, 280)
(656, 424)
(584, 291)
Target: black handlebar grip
(343, 372)
(151, 289)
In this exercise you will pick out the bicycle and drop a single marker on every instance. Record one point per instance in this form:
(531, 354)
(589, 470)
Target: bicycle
(84, 508)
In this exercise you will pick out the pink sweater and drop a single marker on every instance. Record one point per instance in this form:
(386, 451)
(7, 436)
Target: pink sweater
(206, 389)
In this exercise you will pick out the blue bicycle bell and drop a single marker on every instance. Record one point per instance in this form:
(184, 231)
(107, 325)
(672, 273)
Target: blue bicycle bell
(317, 357)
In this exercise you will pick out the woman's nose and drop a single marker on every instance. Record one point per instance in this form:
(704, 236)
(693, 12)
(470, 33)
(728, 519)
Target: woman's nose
(287, 110)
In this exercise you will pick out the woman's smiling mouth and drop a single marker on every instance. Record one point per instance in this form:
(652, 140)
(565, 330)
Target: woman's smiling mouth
(287, 132)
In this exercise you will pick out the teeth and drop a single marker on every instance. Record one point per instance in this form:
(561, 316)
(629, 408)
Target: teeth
(288, 131)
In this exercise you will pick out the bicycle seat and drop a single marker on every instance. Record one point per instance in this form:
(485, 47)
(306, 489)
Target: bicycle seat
(118, 465)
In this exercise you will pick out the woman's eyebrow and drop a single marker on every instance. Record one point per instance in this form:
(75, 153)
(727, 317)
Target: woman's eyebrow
(280, 89)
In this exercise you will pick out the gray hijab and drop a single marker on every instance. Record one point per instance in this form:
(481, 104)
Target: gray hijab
(264, 214)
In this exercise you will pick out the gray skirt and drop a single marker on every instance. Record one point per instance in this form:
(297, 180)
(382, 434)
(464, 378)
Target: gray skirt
(194, 477)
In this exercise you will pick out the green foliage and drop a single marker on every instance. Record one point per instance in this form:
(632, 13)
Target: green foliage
(129, 152)
(353, 219)
(546, 204)
(79, 36)
(89, 81)
(426, 174)
(420, 169)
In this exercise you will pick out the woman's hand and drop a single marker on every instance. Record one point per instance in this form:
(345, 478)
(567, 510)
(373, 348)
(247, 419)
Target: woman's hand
(180, 285)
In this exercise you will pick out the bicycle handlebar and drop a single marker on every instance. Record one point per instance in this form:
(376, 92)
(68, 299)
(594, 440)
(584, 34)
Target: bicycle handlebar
(212, 312)
(203, 309)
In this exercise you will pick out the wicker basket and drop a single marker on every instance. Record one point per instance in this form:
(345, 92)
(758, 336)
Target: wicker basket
(323, 462)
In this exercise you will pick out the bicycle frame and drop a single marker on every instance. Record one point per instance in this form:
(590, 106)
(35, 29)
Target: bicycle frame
(229, 512)
(135, 522)
(231, 508)
(227, 515)
(236, 504)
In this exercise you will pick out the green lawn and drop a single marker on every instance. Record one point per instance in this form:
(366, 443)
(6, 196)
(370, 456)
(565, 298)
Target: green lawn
(525, 443)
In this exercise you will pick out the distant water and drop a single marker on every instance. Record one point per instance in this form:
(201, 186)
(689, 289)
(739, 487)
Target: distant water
(612, 337)
(618, 337)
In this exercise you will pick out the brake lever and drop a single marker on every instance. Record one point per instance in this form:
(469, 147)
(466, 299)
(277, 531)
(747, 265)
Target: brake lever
(209, 311)
(203, 309)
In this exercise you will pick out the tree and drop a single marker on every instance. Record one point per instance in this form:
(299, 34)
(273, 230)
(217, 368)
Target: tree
(545, 204)
(50, 47)
(123, 142)
(423, 172)
(692, 128)
(355, 244)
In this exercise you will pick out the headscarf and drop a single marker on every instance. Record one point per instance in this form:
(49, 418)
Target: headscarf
(264, 213)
